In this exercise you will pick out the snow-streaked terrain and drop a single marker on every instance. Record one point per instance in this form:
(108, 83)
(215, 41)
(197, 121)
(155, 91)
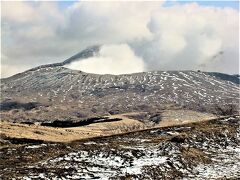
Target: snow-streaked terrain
(61, 85)
(206, 150)
(61, 92)
(54, 82)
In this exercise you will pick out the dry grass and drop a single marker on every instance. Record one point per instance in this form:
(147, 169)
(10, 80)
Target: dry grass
(37, 132)
(125, 128)
(195, 155)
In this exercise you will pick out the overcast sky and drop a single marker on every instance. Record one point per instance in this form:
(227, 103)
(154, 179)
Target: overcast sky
(136, 36)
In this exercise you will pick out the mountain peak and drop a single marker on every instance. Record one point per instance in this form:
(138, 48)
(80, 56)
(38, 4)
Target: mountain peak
(86, 53)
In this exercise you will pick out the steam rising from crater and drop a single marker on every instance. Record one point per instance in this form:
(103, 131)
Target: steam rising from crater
(111, 59)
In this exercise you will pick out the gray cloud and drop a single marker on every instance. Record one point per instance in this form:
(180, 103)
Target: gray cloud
(166, 38)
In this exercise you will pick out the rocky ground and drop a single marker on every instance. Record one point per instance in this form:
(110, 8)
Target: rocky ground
(57, 93)
(201, 150)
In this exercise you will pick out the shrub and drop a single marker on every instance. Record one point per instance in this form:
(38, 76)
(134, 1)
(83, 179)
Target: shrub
(226, 110)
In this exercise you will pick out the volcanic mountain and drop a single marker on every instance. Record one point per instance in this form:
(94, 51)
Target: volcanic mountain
(54, 92)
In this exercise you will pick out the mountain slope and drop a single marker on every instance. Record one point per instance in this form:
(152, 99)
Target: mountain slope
(61, 93)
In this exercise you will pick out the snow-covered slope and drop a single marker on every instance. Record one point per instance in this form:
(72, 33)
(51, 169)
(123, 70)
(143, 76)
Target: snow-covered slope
(57, 85)
(64, 85)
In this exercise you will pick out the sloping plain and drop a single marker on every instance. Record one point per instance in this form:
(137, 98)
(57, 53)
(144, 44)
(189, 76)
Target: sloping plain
(126, 123)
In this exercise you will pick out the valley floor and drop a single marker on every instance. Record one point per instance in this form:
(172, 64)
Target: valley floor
(121, 123)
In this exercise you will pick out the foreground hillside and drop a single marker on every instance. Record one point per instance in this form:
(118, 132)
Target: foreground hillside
(203, 150)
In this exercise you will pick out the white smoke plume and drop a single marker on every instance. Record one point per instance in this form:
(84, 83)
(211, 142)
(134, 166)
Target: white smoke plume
(112, 59)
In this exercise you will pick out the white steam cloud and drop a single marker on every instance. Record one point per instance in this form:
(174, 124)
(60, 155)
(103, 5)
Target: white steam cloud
(112, 59)
(137, 36)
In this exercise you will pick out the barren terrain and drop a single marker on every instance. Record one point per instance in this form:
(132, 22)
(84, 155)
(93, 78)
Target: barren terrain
(116, 124)
(200, 150)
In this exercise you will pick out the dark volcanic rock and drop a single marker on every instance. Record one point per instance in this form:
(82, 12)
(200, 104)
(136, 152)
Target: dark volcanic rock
(8, 105)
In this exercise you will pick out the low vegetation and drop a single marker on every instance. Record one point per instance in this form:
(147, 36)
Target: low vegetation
(200, 150)
(226, 109)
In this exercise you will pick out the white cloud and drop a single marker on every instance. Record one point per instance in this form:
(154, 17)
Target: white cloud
(18, 11)
(189, 37)
(112, 59)
(178, 37)
(171, 43)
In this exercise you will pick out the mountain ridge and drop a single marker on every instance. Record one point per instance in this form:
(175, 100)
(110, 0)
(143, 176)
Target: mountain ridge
(93, 51)
(62, 93)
